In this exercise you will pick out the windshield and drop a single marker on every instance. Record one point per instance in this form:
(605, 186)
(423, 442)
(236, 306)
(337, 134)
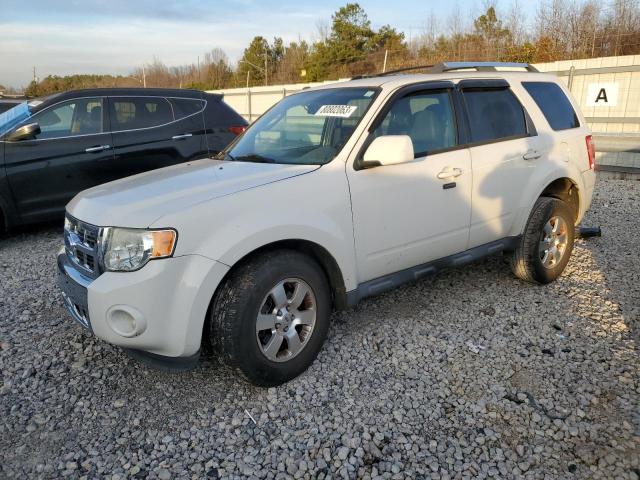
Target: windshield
(13, 117)
(308, 128)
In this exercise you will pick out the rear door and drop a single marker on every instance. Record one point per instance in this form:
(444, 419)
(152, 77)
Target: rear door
(504, 146)
(189, 136)
(71, 154)
(147, 135)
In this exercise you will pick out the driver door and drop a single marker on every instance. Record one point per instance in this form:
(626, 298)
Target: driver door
(69, 155)
(411, 213)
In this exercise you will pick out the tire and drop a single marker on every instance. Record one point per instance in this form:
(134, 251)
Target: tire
(257, 287)
(531, 261)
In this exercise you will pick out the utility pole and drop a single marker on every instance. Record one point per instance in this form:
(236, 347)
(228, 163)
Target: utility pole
(35, 79)
(384, 65)
(265, 68)
(144, 77)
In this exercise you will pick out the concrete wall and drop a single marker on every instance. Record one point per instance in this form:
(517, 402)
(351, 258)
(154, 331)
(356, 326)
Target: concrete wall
(615, 123)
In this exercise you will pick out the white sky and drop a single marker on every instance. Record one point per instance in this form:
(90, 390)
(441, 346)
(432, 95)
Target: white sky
(115, 36)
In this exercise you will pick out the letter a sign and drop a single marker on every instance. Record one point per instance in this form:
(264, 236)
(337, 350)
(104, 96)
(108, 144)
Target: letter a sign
(602, 95)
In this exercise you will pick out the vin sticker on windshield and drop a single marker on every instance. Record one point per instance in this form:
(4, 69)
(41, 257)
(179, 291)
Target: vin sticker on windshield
(336, 111)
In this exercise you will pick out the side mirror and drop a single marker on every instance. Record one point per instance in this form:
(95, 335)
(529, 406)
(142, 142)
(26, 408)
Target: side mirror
(25, 132)
(388, 150)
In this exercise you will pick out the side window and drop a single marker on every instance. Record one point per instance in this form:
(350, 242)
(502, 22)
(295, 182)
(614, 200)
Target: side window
(427, 117)
(183, 107)
(130, 113)
(75, 117)
(554, 104)
(494, 114)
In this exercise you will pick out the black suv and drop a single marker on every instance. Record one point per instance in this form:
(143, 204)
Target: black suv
(52, 149)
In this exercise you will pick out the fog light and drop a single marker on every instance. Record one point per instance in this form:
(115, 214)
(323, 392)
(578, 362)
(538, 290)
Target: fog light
(126, 321)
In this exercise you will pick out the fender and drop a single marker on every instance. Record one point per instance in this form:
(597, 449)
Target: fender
(315, 208)
(537, 185)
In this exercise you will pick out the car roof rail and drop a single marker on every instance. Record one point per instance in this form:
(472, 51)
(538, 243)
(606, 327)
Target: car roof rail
(405, 69)
(391, 72)
(480, 66)
(443, 67)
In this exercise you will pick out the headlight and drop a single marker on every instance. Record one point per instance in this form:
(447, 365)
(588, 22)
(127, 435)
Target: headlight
(128, 249)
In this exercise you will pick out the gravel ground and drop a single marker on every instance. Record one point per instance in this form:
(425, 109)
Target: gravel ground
(469, 374)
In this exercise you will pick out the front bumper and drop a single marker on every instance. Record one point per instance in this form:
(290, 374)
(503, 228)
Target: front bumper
(159, 309)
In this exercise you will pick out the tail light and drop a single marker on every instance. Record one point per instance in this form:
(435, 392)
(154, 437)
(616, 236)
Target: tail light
(591, 150)
(237, 129)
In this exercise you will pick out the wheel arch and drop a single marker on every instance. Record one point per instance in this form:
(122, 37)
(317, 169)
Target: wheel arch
(561, 185)
(317, 252)
(564, 189)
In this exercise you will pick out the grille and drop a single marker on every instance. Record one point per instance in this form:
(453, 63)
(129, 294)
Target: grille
(81, 244)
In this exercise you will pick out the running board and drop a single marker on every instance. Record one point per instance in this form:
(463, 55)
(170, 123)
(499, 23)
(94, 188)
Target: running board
(393, 280)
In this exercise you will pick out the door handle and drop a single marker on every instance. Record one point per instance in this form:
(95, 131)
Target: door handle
(182, 136)
(99, 148)
(448, 172)
(532, 155)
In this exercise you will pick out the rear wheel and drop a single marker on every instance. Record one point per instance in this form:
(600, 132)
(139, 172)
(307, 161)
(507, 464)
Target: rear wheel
(271, 316)
(547, 242)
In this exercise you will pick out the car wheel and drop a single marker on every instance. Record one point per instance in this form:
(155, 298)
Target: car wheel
(271, 316)
(546, 245)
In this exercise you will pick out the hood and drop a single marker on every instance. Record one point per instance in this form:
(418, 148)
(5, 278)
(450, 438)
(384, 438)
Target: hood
(139, 200)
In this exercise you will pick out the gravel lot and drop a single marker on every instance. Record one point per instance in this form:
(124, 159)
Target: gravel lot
(469, 374)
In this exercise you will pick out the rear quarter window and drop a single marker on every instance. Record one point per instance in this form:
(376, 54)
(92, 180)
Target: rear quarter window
(554, 104)
(221, 115)
(184, 107)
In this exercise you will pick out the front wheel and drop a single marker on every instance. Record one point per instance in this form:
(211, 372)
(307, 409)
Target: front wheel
(271, 316)
(546, 245)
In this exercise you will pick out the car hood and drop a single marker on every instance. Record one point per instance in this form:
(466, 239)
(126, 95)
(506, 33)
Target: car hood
(139, 200)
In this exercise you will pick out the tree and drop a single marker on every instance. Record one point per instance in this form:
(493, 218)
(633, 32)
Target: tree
(351, 33)
(350, 44)
(524, 53)
(491, 33)
(291, 63)
(216, 68)
(253, 61)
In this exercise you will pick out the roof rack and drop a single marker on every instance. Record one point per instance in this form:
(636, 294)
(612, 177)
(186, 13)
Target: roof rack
(453, 66)
(480, 66)
(405, 69)
(392, 72)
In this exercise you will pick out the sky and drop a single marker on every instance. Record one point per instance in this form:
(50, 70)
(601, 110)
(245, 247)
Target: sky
(115, 36)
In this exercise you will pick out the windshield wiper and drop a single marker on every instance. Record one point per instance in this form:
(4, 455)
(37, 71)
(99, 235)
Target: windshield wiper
(224, 156)
(254, 157)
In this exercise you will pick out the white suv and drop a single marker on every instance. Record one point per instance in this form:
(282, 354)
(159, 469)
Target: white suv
(335, 194)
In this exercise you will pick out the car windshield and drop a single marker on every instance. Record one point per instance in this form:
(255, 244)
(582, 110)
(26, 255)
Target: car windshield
(13, 117)
(308, 128)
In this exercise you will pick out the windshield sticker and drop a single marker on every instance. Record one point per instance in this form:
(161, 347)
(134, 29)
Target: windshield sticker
(343, 111)
(369, 93)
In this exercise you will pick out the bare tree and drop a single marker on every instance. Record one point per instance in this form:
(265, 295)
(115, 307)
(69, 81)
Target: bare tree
(216, 69)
